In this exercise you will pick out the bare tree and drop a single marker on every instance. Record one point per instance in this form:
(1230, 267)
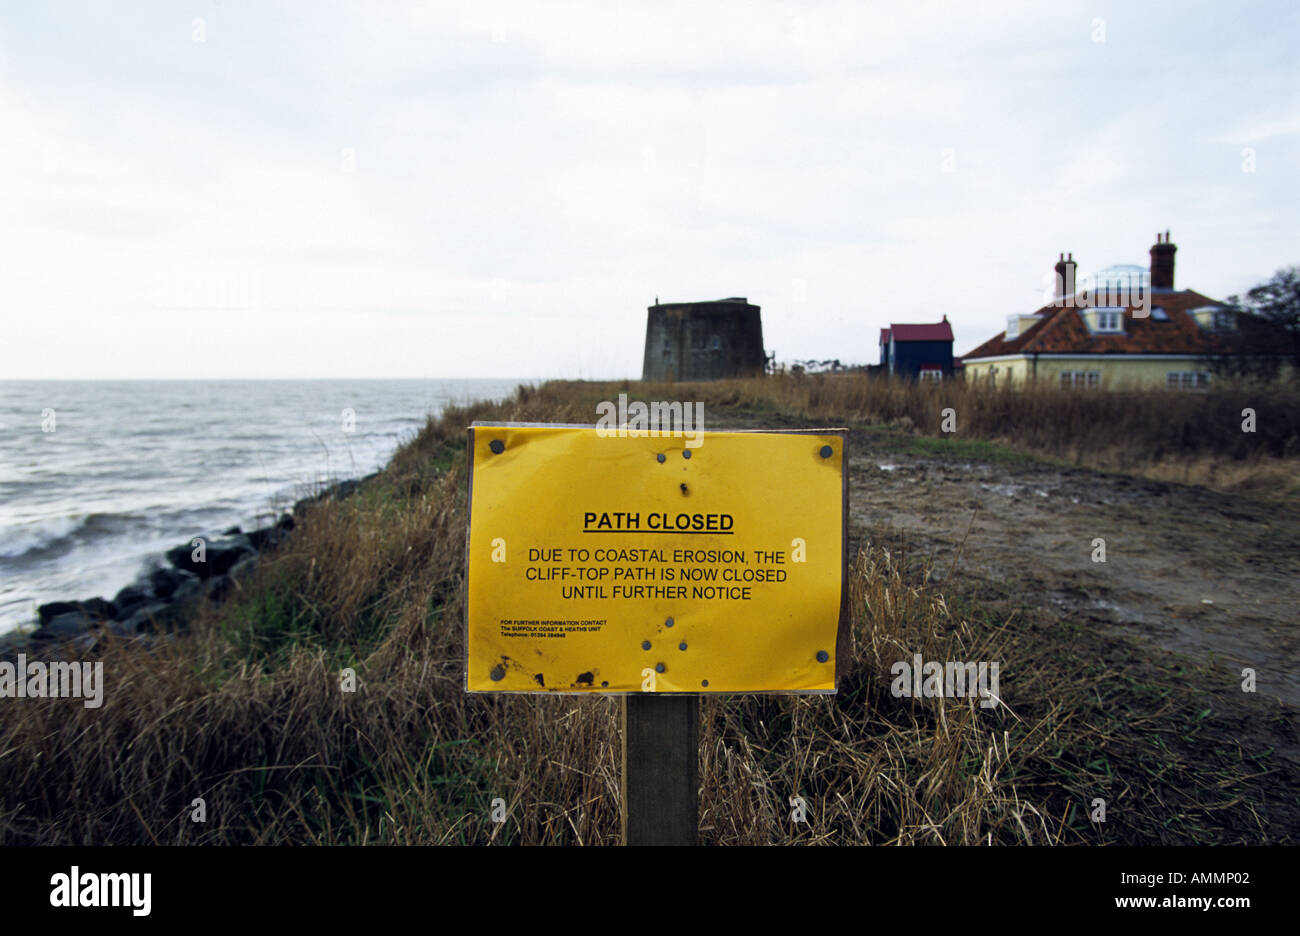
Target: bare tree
(1266, 333)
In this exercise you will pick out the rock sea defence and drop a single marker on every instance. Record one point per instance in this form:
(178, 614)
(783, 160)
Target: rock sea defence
(160, 600)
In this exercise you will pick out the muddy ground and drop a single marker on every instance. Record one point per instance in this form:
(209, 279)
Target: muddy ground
(1211, 577)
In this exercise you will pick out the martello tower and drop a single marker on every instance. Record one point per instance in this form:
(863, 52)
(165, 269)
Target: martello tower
(703, 340)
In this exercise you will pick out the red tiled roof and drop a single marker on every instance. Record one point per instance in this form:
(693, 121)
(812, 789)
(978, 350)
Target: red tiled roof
(1062, 330)
(940, 331)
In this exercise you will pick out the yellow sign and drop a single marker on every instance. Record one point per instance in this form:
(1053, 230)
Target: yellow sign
(607, 563)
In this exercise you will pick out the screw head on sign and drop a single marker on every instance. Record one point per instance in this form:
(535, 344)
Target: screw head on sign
(661, 458)
(645, 645)
(659, 667)
(682, 645)
(668, 623)
(822, 656)
(497, 446)
(686, 453)
(827, 451)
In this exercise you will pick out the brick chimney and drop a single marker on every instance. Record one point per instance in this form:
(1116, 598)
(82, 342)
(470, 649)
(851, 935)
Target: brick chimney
(1065, 272)
(1162, 262)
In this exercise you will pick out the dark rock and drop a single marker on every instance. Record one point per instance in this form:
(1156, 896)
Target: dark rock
(120, 629)
(223, 555)
(338, 491)
(148, 618)
(63, 627)
(129, 599)
(188, 590)
(271, 536)
(47, 612)
(233, 531)
(219, 587)
(219, 555)
(182, 557)
(98, 608)
(87, 644)
(301, 505)
(166, 582)
(243, 570)
(266, 538)
(158, 616)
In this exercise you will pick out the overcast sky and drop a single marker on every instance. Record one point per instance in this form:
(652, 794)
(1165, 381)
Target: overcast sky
(223, 188)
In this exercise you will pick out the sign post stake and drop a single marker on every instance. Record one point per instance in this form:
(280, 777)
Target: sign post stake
(660, 769)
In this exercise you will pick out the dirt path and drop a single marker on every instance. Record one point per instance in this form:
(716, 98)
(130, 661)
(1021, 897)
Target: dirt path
(1188, 569)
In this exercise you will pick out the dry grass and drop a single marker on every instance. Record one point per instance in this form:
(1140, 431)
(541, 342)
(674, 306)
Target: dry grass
(1194, 437)
(245, 709)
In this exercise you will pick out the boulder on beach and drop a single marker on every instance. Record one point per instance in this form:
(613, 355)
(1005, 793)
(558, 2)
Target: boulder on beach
(130, 598)
(271, 536)
(216, 557)
(63, 626)
(219, 587)
(94, 608)
(173, 584)
(154, 617)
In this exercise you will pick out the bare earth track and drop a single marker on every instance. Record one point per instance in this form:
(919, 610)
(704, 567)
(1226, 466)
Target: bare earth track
(1191, 570)
(1207, 577)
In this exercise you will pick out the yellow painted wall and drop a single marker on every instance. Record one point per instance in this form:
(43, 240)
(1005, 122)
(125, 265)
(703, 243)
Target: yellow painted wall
(1114, 373)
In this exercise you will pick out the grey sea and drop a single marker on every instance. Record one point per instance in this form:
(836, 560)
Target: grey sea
(98, 477)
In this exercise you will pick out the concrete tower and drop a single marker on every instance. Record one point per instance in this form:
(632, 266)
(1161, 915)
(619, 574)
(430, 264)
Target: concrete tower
(703, 340)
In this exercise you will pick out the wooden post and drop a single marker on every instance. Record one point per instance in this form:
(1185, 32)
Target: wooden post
(660, 762)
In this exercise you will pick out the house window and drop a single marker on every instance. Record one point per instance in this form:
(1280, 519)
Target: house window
(717, 343)
(1222, 320)
(932, 374)
(1187, 380)
(1110, 322)
(1090, 379)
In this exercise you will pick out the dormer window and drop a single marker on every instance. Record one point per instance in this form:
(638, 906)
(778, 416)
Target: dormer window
(1215, 318)
(1109, 322)
(1159, 314)
(1104, 321)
